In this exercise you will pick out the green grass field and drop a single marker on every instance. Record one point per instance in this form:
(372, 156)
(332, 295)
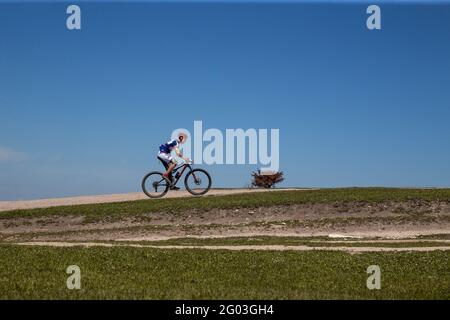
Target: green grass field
(143, 273)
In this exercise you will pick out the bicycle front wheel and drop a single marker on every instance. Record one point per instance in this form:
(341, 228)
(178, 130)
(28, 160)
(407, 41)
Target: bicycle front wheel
(155, 185)
(197, 182)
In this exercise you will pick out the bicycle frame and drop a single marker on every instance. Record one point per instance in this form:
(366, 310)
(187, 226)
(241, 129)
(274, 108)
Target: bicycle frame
(184, 166)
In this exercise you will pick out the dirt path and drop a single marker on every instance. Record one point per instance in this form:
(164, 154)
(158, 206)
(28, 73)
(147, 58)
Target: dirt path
(368, 237)
(239, 247)
(107, 198)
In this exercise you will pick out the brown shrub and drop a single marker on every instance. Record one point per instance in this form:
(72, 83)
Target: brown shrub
(266, 179)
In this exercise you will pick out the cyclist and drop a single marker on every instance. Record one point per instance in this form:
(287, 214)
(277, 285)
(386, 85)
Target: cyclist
(164, 155)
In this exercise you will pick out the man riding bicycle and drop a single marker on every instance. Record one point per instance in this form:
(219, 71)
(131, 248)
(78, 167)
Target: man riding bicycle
(164, 155)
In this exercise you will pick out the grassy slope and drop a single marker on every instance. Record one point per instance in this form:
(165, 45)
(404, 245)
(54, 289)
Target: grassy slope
(39, 273)
(130, 208)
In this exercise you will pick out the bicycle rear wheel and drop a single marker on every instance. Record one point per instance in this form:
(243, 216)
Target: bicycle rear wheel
(155, 185)
(197, 182)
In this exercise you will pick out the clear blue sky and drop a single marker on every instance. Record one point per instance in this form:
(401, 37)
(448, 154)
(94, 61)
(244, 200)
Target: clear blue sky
(83, 112)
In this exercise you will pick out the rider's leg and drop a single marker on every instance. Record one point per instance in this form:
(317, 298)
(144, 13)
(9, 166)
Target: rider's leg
(168, 163)
(170, 169)
(168, 175)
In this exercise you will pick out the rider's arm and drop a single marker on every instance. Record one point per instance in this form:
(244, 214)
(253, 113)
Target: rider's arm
(179, 154)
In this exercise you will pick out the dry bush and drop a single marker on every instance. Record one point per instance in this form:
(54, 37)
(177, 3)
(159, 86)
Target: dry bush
(266, 179)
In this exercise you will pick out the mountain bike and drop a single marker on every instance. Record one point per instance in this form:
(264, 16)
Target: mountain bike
(197, 181)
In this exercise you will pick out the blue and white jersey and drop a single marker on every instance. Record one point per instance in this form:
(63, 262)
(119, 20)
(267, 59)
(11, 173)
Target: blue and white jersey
(168, 146)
